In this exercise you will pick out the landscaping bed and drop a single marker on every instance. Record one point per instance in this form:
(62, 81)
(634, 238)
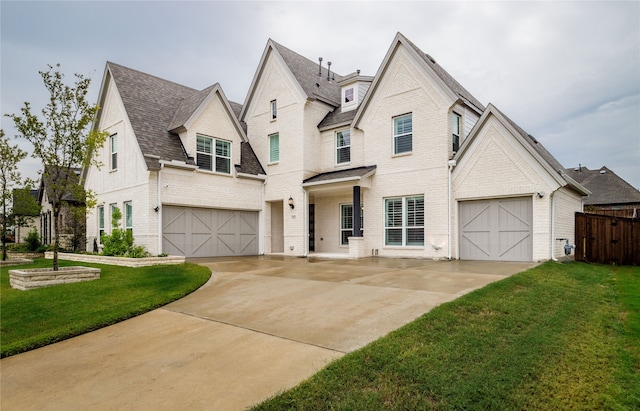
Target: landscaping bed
(119, 261)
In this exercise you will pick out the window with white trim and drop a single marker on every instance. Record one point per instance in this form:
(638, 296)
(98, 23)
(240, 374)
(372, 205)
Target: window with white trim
(113, 144)
(346, 222)
(343, 146)
(349, 95)
(128, 216)
(112, 208)
(223, 156)
(100, 222)
(274, 148)
(404, 221)
(208, 159)
(455, 131)
(403, 134)
(274, 109)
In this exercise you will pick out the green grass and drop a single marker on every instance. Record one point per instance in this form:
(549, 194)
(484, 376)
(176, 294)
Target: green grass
(34, 318)
(559, 336)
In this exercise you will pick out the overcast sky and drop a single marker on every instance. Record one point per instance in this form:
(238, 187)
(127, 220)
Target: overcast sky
(566, 72)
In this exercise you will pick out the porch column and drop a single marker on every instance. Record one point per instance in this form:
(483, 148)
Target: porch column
(357, 230)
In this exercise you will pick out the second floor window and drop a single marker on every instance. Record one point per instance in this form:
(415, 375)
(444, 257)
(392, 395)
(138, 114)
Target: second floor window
(274, 148)
(343, 146)
(113, 144)
(218, 160)
(455, 127)
(403, 134)
(274, 109)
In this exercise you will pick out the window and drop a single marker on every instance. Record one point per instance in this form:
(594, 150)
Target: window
(274, 109)
(114, 209)
(128, 216)
(348, 95)
(346, 222)
(223, 156)
(455, 127)
(404, 221)
(274, 148)
(205, 154)
(113, 143)
(343, 146)
(100, 221)
(402, 134)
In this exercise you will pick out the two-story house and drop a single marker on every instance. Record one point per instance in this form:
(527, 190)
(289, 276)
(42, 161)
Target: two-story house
(405, 163)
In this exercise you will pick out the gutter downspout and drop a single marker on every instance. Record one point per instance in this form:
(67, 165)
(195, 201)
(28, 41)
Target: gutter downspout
(452, 164)
(553, 225)
(262, 223)
(159, 205)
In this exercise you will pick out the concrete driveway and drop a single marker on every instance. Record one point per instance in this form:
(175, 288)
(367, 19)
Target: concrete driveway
(259, 326)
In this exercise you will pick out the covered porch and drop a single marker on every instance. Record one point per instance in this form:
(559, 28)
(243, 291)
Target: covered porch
(336, 221)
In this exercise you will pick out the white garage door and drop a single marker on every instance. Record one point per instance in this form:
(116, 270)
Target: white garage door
(204, 232)
(498, 229)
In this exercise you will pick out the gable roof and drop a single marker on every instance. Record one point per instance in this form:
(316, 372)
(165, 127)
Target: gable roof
(606, 186)
(150, 103)
(157, 107)
(429, 64)
(535, 148)
(304, 71)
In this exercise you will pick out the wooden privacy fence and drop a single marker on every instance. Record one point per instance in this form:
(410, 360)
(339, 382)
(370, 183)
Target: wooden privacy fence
(607, 239)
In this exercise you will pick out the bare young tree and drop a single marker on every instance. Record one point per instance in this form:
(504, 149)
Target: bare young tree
(62, 139)
(10, 156)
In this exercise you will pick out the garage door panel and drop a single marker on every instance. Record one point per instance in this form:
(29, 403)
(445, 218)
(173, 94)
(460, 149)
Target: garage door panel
(199, 232)
(498, 229)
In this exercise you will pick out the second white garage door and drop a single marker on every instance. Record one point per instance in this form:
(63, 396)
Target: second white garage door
(205, 232)
(497, 229)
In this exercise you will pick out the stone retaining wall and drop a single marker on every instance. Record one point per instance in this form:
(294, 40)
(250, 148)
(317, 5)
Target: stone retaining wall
(120, 261)
(45, 277)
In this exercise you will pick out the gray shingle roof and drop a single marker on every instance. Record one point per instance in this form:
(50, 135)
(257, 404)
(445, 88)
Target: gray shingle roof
(155, 106)
(187, 107)
(306, 72)
(606, 186)
(446, 77)
(249, 163)
(340, 174)
(337, 117)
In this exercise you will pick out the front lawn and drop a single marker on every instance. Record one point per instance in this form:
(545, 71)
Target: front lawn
(34, 318)
(559, 336)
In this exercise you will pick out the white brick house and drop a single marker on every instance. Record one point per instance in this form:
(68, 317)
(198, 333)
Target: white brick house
(406, 163)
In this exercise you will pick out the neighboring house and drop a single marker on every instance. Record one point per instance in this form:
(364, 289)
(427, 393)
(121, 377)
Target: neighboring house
(406, 163)
(610, 194)
(72, 221)
(25, 212)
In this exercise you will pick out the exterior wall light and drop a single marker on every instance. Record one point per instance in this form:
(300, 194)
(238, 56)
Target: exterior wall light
(290, 202)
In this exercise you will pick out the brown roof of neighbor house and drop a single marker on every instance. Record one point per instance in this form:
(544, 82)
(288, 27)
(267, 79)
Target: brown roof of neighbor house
(340, 174)
(306, 73)
(606, 187)
(155, 106)
(55, 173)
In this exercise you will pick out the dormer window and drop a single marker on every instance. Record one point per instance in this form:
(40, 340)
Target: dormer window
(348, 95)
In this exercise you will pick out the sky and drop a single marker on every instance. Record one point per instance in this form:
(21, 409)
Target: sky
(566, 72)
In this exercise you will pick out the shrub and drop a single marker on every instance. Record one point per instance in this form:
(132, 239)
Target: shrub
(120, 242)
(32, 241)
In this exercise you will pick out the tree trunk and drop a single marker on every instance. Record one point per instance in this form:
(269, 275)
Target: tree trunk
(56, 235)
(4, 231)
